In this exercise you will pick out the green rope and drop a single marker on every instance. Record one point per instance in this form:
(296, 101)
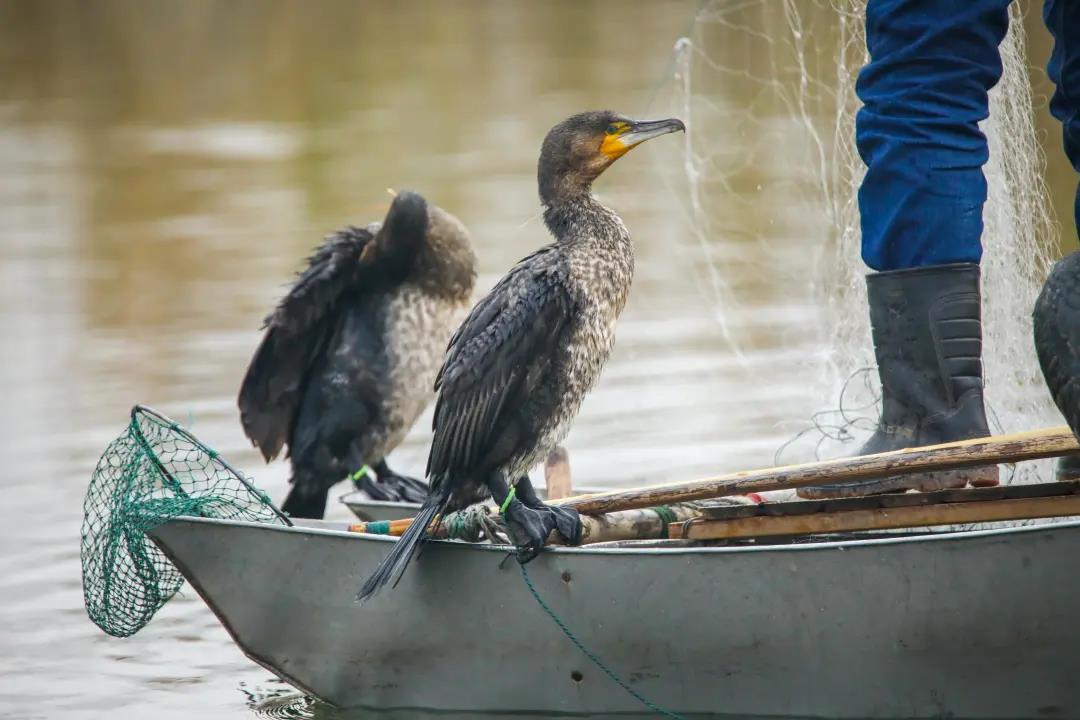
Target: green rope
(667, 516)
(454, 525)
(593, 658)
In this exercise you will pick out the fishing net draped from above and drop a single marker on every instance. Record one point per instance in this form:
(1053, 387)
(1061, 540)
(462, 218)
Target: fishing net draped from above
(767, 91)
(153, 472)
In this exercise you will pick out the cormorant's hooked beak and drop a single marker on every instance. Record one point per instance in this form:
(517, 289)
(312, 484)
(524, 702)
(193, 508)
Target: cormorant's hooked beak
(635, 133)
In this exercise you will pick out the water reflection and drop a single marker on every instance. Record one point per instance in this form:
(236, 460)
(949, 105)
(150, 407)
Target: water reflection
(277, 701)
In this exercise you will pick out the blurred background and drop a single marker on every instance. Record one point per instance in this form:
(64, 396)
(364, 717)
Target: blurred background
(165, 166)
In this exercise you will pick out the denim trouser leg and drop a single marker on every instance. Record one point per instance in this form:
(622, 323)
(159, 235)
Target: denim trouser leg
(924, 92)
(1063, 19)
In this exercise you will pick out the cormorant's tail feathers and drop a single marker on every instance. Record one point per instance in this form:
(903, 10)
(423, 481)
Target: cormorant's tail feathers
(394, 564)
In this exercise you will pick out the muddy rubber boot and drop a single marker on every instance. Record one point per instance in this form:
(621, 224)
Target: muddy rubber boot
(928, 343)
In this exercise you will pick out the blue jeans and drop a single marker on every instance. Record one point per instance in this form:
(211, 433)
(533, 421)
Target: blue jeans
(924, 92)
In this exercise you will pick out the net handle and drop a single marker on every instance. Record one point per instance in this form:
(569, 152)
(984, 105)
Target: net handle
(175, 427)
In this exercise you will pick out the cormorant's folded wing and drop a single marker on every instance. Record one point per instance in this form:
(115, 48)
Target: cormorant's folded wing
(497, 356)
(297, 332)
(351, 262)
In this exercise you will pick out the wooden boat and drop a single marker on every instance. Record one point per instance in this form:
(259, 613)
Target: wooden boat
(970, 624)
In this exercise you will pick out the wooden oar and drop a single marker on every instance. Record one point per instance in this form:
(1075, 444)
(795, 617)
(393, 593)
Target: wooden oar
(1032, 445)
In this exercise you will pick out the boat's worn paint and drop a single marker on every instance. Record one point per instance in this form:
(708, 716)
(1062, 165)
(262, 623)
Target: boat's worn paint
(964, 625)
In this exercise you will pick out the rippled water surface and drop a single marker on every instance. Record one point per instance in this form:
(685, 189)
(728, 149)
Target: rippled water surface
(165, 166)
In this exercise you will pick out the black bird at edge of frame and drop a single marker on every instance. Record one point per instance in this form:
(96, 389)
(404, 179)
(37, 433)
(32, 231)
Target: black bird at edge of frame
(518, 368)
(1056, 327)
(349, 355)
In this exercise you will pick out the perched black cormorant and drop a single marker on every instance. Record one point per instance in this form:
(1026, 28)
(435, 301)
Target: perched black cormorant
(1056, 320)
(519, 366)
(350, 354)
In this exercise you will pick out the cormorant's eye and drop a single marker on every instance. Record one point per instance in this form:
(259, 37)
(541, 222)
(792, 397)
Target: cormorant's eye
(612, 129)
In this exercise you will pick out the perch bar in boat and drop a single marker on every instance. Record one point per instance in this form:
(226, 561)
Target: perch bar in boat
(1016, 447)
(643, 524)
(1032, 445)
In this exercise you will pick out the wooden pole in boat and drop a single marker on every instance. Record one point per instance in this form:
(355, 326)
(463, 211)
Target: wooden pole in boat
(557, 474)
(957, 513)
(1032, 445)
(647, 524)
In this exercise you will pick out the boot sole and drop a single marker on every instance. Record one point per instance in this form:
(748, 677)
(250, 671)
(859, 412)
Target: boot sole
(984, 476)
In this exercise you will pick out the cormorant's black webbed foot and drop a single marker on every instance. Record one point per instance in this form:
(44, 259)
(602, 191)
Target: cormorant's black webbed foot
(567, 520)
(386, 485)
(529, 521)
(407, 489)
(530, 527)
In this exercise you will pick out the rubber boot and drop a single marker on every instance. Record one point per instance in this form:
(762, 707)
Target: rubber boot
(928, 343)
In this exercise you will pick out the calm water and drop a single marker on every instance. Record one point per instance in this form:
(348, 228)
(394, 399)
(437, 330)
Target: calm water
(163, 169)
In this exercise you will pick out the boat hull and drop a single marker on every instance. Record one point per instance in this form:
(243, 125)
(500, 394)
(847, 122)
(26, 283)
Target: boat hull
(965, 625)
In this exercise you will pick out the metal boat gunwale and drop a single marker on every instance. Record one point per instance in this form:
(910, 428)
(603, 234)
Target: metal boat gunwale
(338, 529)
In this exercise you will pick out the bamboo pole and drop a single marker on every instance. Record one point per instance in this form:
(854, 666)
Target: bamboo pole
(631, 524)
(1016, 447)
(647, 524)
(879, 518)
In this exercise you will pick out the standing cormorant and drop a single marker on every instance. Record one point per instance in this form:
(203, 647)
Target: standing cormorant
(519, 366)
(350, 353)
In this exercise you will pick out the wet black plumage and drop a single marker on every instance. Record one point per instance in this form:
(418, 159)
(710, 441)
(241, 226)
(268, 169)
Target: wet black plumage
(518, 368)
(349, 354)
(1056, 320)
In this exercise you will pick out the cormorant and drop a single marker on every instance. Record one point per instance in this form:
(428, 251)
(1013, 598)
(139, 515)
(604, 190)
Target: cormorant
(350, 353)
(1056, 324)
(518, 368)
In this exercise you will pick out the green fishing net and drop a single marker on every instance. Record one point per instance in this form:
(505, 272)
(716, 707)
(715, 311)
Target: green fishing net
(153, 472)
